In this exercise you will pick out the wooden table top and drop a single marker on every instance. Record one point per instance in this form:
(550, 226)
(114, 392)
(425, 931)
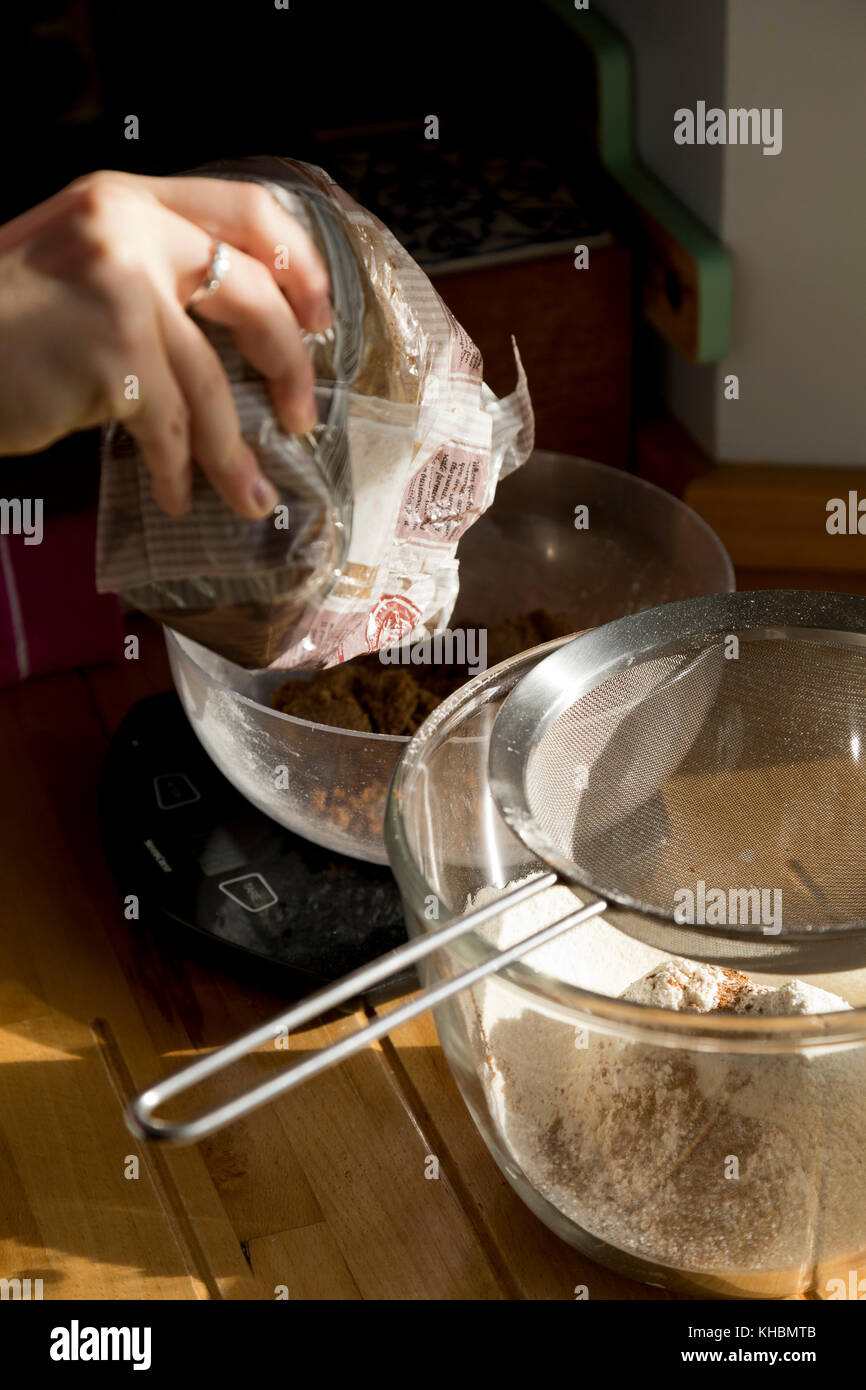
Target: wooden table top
(323, 1193)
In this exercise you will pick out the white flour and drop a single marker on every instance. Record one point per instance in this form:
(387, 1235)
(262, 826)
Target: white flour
(688, 986)
(734, 1164)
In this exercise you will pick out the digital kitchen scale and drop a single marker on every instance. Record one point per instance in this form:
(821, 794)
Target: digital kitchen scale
(225, 882)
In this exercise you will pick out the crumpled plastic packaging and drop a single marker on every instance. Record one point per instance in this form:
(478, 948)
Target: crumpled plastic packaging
(411, 443)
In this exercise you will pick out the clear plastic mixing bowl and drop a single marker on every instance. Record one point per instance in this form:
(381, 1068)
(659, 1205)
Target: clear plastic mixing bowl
(641, 547)
(719, 1154)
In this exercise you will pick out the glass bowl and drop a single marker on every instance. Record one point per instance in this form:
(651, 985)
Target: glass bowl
(715, 1154)
(641, 547)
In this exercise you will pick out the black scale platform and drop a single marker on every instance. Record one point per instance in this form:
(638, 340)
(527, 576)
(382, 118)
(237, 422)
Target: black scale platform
(226, 882)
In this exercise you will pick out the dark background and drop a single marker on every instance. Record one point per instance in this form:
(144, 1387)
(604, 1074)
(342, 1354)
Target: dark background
(209, 81)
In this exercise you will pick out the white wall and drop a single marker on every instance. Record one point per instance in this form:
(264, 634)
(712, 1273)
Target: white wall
(679, 52)
(795, 224)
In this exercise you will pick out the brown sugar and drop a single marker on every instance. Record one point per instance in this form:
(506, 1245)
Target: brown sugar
(364, 696)
(368, 696)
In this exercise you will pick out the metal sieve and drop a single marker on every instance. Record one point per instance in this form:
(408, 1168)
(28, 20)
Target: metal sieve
(702, 767)
(699, 769)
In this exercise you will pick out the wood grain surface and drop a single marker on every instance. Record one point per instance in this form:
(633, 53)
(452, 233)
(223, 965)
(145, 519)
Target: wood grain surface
(772, 518)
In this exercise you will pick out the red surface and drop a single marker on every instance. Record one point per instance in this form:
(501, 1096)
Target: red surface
(65, 622)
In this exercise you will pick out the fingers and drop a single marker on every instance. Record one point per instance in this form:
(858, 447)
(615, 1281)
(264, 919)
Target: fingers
(156, 416)
(214, 431)
(247, 216)
(161, 428)
(156, 235)
(266, 332)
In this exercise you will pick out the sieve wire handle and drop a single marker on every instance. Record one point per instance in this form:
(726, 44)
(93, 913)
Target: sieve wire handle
(140, 1117)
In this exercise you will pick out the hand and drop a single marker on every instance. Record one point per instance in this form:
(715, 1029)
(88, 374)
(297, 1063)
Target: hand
(93, 288)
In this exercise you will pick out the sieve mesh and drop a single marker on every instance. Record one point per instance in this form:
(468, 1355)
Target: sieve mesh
(729, 787)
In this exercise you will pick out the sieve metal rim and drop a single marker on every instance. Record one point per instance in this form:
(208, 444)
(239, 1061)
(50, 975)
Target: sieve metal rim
(581, 665)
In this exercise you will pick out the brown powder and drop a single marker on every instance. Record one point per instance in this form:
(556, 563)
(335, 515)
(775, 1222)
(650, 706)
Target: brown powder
(369, 697)
(734, 990)
(745, 1170)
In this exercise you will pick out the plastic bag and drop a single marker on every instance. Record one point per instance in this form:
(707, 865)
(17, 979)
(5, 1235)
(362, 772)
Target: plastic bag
(410, 445)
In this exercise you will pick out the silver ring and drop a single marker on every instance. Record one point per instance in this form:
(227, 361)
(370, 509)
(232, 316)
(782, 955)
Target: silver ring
(220, 263)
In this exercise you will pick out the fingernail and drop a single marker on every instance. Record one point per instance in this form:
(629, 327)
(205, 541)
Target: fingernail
(301, 414)
(323, 316)
(264, 494)
(309, 413)
(186, 496)
(176, 499)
